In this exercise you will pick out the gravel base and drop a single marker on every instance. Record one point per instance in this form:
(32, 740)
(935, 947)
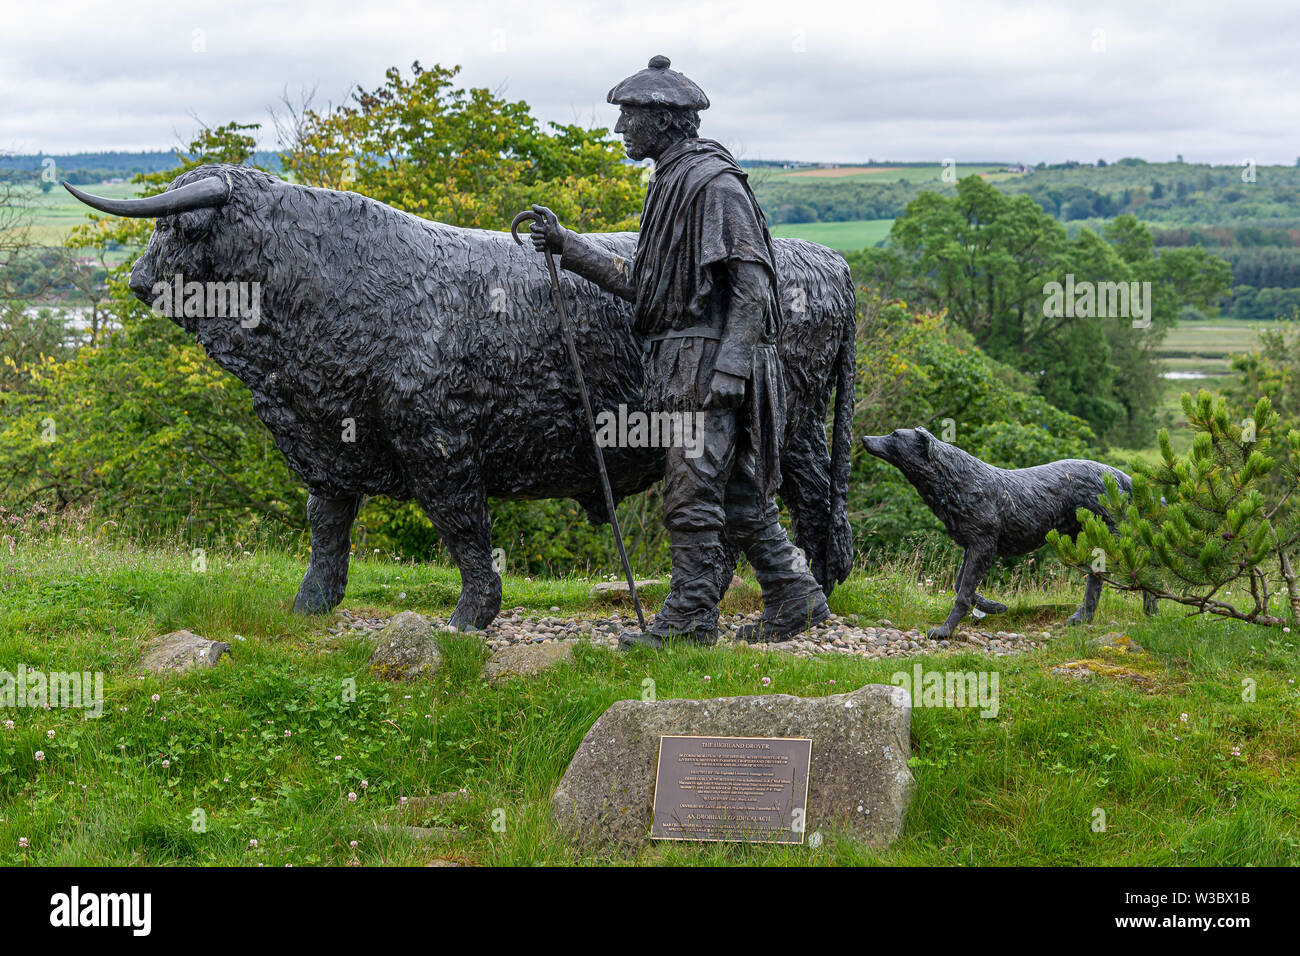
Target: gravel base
(836, 635)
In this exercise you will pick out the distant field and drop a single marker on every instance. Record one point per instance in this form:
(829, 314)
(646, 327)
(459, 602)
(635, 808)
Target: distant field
(837, 172)
(911, 174)
(1199, 351)
(1209, 342)
(55, 213)
(844, 236)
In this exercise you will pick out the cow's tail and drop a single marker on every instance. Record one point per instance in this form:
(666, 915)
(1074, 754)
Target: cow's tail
(839, 538)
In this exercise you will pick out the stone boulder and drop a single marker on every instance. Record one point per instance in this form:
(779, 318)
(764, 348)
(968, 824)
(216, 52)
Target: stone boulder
(444, 834)
(181, 651)
(1116, 643)
(527, 660)
(859, 781)
(406, 648)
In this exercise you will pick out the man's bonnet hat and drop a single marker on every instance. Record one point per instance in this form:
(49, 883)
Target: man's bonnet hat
(657, 85)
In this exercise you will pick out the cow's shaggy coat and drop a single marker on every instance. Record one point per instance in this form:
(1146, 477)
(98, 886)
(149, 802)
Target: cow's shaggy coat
(437, 350)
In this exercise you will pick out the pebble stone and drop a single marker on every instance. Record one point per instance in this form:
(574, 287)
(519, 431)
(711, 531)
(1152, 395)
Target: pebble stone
(836, 635)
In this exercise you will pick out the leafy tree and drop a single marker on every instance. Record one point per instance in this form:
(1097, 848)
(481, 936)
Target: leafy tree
(987, 258)
(1179, 279)
(1270, 369)
(463, 157)
(15, 227)
(26, 341)
(916, 369)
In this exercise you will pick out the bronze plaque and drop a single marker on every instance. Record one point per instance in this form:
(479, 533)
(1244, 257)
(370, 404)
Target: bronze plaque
(737, 789)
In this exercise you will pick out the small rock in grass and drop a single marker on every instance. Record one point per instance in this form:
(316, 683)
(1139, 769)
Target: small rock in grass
(1116, 643)
(527, 660)
(181, 651)
(618, 590)
(406, 649)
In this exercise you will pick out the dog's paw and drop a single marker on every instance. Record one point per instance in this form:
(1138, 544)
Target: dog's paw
(939, 633)
(1076, 618)
(985, 606)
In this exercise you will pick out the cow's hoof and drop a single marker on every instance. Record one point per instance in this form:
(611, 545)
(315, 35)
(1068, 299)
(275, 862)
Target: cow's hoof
(474, 615)
(314, 600)
(466, 621)
(321, 590)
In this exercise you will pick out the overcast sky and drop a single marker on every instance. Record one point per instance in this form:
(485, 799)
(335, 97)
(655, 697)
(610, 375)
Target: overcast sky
(794, 79)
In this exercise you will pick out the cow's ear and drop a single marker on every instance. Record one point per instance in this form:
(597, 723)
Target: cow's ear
(197, 223)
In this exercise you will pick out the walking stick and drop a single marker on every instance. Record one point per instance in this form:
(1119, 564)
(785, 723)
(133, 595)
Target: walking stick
(567, 330)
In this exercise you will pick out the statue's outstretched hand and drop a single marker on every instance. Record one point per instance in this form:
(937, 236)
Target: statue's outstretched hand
(547, 233)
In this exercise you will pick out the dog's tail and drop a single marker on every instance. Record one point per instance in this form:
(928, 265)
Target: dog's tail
(839, 538)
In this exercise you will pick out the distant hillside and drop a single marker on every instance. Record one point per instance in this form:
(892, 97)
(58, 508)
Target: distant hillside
(1165, 193)
(1254, 225)
(1247, 216)
(803, 164)
(103, 166)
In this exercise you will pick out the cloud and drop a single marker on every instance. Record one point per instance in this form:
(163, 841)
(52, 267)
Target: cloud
(967, 79)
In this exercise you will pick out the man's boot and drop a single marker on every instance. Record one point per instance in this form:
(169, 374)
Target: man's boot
(793, 601)
(690, 612)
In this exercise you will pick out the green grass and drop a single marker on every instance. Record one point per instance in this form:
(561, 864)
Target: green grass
(845, 236)
(1021, 788)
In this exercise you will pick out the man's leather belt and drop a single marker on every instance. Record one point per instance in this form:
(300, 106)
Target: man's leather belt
(694, 332)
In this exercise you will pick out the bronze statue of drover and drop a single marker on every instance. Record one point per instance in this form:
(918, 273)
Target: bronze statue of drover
(704, 286)
(383, 362)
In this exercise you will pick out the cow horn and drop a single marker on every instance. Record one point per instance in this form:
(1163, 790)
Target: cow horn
(211, 191)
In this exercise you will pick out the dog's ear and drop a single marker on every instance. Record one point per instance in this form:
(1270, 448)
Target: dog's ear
(929, 443)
